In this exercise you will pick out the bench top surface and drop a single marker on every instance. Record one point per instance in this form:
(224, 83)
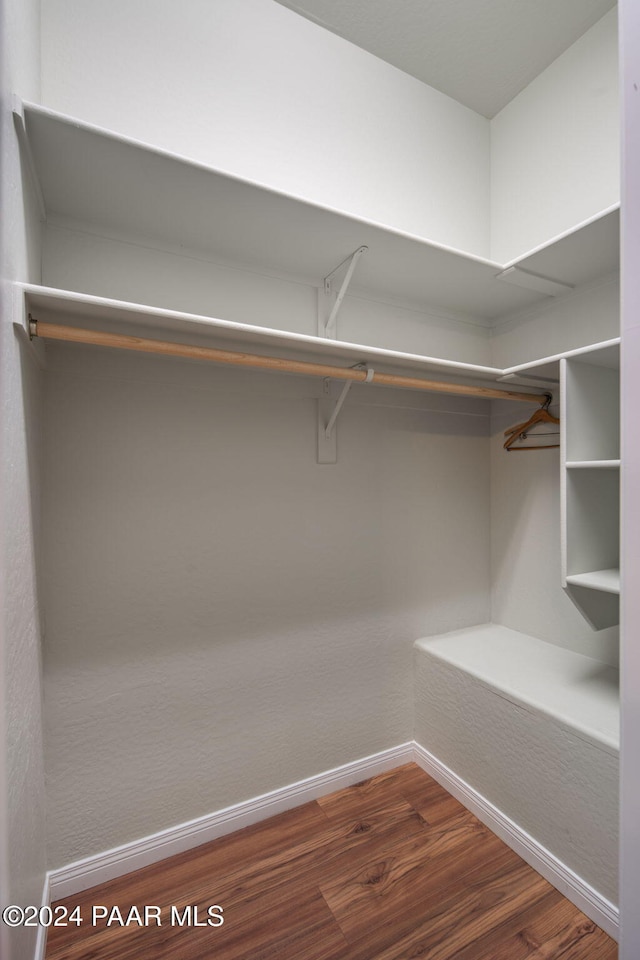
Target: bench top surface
(579, 692)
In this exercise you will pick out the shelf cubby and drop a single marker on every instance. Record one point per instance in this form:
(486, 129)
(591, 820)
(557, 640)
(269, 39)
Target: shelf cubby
(593, 520)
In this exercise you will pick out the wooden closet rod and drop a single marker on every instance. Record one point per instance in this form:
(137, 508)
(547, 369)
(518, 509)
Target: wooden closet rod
(53, 331)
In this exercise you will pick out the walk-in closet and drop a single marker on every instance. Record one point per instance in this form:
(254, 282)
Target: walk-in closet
(314, 465)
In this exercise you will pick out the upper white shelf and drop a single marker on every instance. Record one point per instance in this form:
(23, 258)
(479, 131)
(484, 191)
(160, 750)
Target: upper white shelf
(96, 176)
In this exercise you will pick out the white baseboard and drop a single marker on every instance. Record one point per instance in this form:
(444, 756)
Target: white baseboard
(41, 939)
(101, 867)
(573, 887)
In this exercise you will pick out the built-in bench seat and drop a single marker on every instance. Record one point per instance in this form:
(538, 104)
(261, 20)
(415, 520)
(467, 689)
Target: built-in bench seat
(530, 730)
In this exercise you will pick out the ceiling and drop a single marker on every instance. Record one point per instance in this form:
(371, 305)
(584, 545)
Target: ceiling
(480, 52)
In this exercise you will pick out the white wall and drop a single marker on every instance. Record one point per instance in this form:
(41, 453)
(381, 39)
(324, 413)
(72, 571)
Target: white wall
(555, 147)
(22, 805)
(630, 784)
(251, 87)
(224, 616)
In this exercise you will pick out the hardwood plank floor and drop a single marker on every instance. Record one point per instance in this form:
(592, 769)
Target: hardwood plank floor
(390, 869)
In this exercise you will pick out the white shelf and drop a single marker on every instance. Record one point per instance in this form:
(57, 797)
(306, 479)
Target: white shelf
(592, 410)
(578, 692)
(91, 175)
(119, 316)
(79, 309)
(606, 580)
(593, 465)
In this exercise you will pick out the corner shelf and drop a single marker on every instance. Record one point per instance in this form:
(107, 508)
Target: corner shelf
(606, 353)
(91, 175)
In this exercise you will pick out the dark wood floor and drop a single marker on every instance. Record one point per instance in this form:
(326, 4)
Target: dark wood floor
(390, 869)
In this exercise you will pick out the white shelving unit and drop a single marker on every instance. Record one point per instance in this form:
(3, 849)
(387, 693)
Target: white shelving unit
(590, 482)
(84, 173)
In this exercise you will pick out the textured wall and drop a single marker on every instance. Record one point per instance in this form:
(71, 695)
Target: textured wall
(223, 615)
(22, 804)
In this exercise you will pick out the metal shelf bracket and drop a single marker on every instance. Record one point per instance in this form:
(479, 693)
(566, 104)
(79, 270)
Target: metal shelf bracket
(327, 417)
(330, 299)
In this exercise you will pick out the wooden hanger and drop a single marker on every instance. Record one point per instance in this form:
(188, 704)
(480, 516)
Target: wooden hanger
(519, 432)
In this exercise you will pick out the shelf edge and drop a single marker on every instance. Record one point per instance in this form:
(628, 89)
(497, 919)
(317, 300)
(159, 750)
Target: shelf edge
(578, 580)
(282, 337)
(592, 464)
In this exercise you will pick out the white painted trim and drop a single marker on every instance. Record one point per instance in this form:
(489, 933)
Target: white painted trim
(41, 939)
(563, 878)
(101, 867)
